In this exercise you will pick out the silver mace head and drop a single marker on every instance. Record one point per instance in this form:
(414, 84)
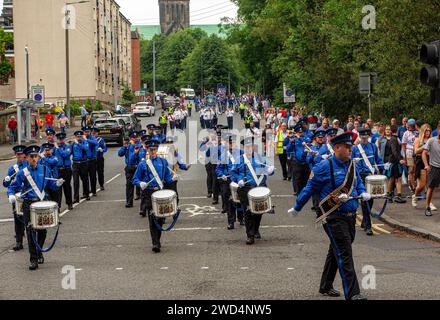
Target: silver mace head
(343, 197)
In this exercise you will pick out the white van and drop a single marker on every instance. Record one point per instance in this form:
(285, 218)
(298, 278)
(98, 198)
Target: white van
(188, 93)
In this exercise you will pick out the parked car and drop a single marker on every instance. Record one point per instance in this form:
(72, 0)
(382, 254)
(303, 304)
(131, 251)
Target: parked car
(112, 129)
(171, 101)
(99, 115)
(132, 122)
(144, 109)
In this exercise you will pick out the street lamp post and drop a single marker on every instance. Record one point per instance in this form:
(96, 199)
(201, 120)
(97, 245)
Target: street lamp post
(67, 27)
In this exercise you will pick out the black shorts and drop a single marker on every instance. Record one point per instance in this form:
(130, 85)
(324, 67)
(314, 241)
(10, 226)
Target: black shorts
(434, 177)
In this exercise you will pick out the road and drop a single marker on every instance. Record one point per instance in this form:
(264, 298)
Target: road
(110, 249)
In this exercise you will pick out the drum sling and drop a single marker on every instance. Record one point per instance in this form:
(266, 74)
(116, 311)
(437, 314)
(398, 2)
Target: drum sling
(35, 240)
(364, 157)
(251, 169)
(332, 202)
(158, 226)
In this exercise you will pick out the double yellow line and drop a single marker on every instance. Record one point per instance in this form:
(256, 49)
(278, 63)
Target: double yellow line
(376, 228)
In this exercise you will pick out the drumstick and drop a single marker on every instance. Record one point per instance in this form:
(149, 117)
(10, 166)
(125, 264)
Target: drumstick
(51, 179)
(222, 177)
(22, 194)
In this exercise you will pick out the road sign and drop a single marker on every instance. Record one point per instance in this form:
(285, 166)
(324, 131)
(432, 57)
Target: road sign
(38, 94)
(289, 95)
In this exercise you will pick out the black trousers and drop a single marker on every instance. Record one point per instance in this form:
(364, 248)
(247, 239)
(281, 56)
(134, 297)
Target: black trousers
(18, 225)
(79, 170)
(129, 187)
(202, 123)
(164, 128)
(100, 164)
(366, 217)
(341, 232)
(289, 168)
(230, 123)
(40, 234)
(66, 174)
(227, 204)
(211, 180)
(91, 168)
(252, 221)
(189, 111)
(301, 173)
(283, 162)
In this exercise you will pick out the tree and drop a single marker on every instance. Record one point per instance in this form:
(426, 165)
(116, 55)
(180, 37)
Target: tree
(6, 68)
(127, 97)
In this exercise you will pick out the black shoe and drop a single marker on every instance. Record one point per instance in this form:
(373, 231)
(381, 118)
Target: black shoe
(33, 266)
(142, 214)
(428, 212)
(129, 206)
(40, 258)
(399, 199)
(362, 225)
(224, 211)
(94, 195)
(102, 188)
(88, 199)
(137, 198)
(369, 232)
(214, 202)
(358, 297)
(389, 197)
(284, 179)
(156, 249)
(75, 201)
(18, 246)
(209, 195)
(230, 226)
(84, 197)
(331, 293)
(241, 222)
(70, 207)
(258, 235)
(250, 240)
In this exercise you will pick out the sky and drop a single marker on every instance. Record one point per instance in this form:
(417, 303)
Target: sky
(202, 11)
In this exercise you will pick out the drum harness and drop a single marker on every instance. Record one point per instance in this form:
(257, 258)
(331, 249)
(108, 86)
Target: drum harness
(160, 183)
(41, 196)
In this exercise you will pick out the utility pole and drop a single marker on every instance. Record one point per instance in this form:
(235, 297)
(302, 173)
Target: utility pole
(67, 26)
(28, 94)
(229, 83)
(154, 73)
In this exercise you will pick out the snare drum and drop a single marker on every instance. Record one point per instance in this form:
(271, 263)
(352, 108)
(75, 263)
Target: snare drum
(234, 192)
(260, 200)
(18, 204)
(164, 203)
(376, 185)
(44, 215)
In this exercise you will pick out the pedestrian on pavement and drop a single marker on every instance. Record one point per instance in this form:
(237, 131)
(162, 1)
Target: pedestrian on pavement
(84, 114)
(49, 121)
(63, 123)
(408, 151)
(12, 127)
(432, 167)
(340, 225)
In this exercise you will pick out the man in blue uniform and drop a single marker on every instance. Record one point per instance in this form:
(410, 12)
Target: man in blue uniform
(333, 178)
(48, 159)
(300, 169)
(250, 168)
(327, 150)
(102, 148)
(229, 157)
(12, 172)
(150, 182)
(33, 181)
(212, 155)
(158, 136)
(63, 152)
(92, 157)
(369, 161)
(50, 136)
(131, 163)
(80, 149)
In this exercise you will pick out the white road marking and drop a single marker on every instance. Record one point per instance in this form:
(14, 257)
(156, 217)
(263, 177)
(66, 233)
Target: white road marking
(205, 268)
(244, 268)
(119, 246)
(290, 268)
(164, 268)
(300, 244)
(273, 196)
(190, 244)
(79, 269)
(115, 177)
(119, 269)
(103, 201)
(85, 247)
(6, 220)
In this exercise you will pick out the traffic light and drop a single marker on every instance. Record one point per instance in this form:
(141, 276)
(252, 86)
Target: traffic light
(430, 75)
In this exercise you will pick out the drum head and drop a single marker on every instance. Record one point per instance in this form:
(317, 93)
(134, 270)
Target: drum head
(164, 194)
(234, 185)
(18, 195)
(376, 178)
(44, 204)
(259, 192)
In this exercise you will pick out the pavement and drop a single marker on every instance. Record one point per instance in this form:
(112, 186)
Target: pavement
(105, 251)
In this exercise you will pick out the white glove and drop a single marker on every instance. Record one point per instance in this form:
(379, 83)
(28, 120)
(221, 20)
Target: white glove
(325, 156)
(60, 182)
(241, 183)
(270, 170)
(176, 177)
(11, 199)
(42, 155)
(365, 196)
(7, 178)
(143, 185)
(292, 212)
(100, 150)
(387, 166)
(224, 178)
